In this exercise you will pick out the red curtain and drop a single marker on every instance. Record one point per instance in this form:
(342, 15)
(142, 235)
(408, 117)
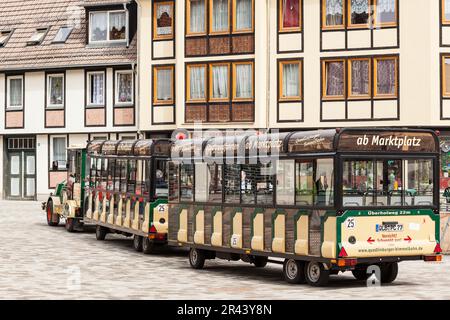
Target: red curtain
(291, 17)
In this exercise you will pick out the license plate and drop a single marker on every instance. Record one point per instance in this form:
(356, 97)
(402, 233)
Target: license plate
(389, 227)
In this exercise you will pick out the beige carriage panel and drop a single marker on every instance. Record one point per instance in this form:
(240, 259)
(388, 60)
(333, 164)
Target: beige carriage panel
(146, 223)
(257, 242)
(216, 238)
(70, 208)
(199, 235)
(135, 224)
(161, 213)
(236, 237)
(127, 221)
(110, 218)
(104, 210)
(97, 208)
(329, 238)
(77, 193)
(89, 209)
(279, 235)
(301, 243)
(183, 231)
(417, 236)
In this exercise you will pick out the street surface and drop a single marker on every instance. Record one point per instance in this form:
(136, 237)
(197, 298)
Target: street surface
(41, 262)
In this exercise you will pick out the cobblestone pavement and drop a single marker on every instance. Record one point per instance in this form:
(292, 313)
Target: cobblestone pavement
(40, 262)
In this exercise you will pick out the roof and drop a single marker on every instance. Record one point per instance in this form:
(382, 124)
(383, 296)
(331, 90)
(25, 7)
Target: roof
(25, 16)
(160, 147)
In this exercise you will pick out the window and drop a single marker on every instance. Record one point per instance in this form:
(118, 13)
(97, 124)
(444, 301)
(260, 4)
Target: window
(163, 20)
(219, 16)
(314, 182)
(215, 183)
(96, 88)
(108, 26)
(59, 153)
(386, 12)
(196, 17)
(15, 92)
(124, 87)
(243, 81)
(385, 77)
(187, 182)
(219, 82)
(62, 35)
(232, 183)
(290, 80)
(445, 11)
(243, 16)
(446, 76)
(334, 75)
(196, 76)
(286, 182)
(161, 179)
(333, 14)
(37, 37)
(387, 182)
(55, 90)
(290, 15)
(359, 13)
(4, 37)
(359, 78)
(163, 84)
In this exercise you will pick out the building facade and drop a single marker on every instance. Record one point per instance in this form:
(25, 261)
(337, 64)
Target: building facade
(67, 75)
(295, 64)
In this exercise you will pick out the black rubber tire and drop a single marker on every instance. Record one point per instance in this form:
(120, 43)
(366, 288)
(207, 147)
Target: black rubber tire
(100, 233)
(148, 246)
(389, 272)
(197, 258)
(50, 214)
(137, 243)
(361, 273)
(294, 271)
(70, 224)
(316, 275)
(260, 262)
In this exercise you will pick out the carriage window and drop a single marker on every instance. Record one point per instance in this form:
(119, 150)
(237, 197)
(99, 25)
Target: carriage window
(161, 179)
(248, 186)
(232, 183)
(324, 194)
(111, 174)
(419, 182)
(173, 181)
(122, 171)
(304, 183)
(140, 182)
(131, 176)
(187, 182)
(104, 173)
(264, 184)
(286, 182)
(215, 182)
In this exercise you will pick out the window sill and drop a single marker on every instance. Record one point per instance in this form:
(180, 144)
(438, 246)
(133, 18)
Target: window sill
(14, 109)
(95, 106)
(124, 105)
(55, 107)
(101, 44)
(57, 170)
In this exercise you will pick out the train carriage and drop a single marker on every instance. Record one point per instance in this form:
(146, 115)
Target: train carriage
(128, 190)
(325, 201)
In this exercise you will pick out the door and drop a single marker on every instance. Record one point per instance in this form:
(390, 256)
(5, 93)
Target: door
(22, 175)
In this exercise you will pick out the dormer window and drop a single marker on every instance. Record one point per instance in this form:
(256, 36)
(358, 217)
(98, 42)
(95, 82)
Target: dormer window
(62, 35)
(4, 37)
(37, 37)
(108, 26)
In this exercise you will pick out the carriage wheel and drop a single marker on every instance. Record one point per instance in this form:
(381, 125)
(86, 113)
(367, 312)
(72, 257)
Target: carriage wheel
(137, 243)
(197, 258)
(316, 275)
(293, 271)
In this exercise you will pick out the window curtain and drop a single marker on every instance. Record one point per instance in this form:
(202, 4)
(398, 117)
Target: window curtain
(56, 90)
(360, 11)
(220, 82)
(117, 26)
(197, 17)
(291, 80)
(98, 26)
(244, 14)
(360, 77)
(447, 9)
(244, 81)
(220, 15)
(386, 77)
(97, 89)
(335, 12)
(291, 17)
(15, 93)
(335, 78)
(59, 152)
(125, 90)
(386, 11)
(447, 75)
(164, 85)
(164, 16)
(197, 83)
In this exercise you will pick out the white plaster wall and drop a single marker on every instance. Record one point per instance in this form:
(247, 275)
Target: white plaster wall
(42, 190)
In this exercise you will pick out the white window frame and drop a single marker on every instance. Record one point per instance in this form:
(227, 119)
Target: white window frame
(8, 92)
(116, 89)
(49, 89)
(51, 151)
(108, 13)
(88, 87)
